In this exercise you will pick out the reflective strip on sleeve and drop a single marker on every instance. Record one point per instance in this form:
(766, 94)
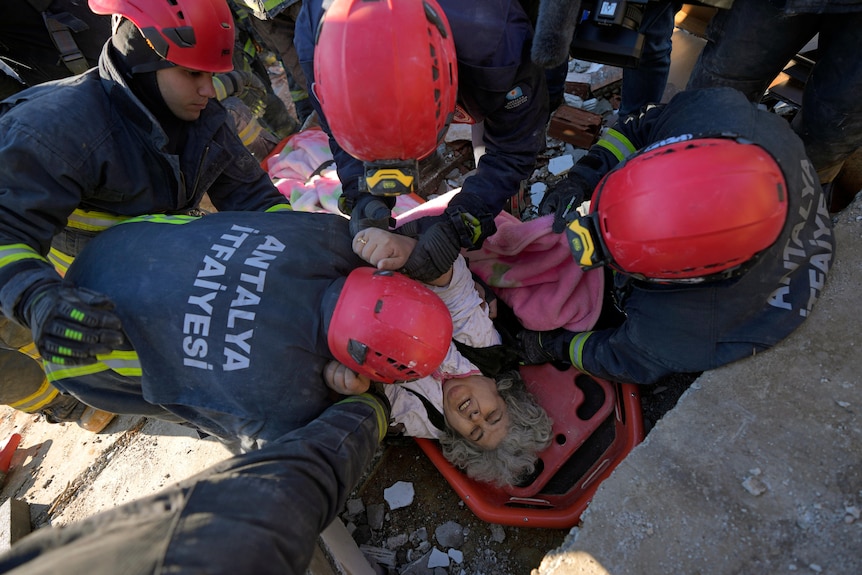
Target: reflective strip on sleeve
(617, 144)
(38, 399)
(93, 221)
(60, 260)
(379, 411)
(250, 132)
(576, 350)
(125, 363)
(12, 253)
(174, 219)
(220, 90)
(280, 208)
(298, 95)
(30, 351)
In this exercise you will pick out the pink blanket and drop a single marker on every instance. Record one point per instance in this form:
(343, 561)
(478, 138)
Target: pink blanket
(532, 270)
(304, 173)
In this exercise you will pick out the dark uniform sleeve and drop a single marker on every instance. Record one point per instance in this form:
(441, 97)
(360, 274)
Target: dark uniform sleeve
(499, 85)
(611, 355)
(260, 512)
(615, 145)
(40, 187)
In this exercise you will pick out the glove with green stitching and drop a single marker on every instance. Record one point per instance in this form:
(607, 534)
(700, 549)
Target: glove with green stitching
(435, 252)
(563, 200)
(71, 325)
(534, 347)
(441, 239)
(370, 212)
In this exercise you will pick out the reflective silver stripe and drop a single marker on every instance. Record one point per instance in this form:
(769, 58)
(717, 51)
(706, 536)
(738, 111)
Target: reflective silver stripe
(93, 221)
(36, 400)
(220, 90)
(58, 372)
(60, 260)
(576, 350)
(251, 131)
(617, 144)
(125, 363)
(12, 253)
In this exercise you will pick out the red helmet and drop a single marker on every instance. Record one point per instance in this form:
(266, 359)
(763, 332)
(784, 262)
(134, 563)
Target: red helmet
(385, 74)
(389, 327)
(195, 34)
(683, 211)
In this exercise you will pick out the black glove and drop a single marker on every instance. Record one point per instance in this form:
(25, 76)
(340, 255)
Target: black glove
(71, 325)
(563, 200)
(435, 252)
(370, 212)
(535, 347)
(441, 239)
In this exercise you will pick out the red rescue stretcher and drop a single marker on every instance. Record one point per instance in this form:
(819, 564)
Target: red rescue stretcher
(595, 425)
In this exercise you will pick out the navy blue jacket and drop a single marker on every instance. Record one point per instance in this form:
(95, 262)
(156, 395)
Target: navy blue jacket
(692, 328)
(492, 43)
(87, 143)
(242, 357)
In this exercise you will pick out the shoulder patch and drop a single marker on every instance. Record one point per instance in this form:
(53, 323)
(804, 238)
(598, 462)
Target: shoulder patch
(515, 97)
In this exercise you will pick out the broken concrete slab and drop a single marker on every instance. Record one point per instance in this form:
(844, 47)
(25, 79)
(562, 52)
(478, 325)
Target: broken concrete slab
(14, 522)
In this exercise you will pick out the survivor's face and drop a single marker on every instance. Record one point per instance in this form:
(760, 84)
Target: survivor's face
(185, 91)
(474, 409)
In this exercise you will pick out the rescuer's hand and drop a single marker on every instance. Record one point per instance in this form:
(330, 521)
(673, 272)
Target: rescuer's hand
(343, 380)
(369, 212)
(71, 326)
(563, 200)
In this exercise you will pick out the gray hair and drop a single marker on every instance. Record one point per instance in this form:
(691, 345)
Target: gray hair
(515, 457)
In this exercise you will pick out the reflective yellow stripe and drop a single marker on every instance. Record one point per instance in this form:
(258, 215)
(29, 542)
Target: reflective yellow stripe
(250, 133)
(93, 221)
(617, 144)
(12, 253)
(163, 219)
(249, 48)
(298, 95)
(125, 363)
(280, 208)
(220, 90)
(576, 350)
(58, 372)
(37, 400)
(60, 260)
(31, 351)
(379, 411)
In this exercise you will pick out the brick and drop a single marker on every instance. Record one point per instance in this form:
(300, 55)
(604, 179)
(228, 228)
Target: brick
(575, 126)
(580, 89)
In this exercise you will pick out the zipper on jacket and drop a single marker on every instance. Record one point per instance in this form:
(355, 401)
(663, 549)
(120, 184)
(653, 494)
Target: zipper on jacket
(198, 174)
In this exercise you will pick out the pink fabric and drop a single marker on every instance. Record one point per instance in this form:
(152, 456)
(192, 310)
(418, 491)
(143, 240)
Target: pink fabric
(532, 270)
(291, 170)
